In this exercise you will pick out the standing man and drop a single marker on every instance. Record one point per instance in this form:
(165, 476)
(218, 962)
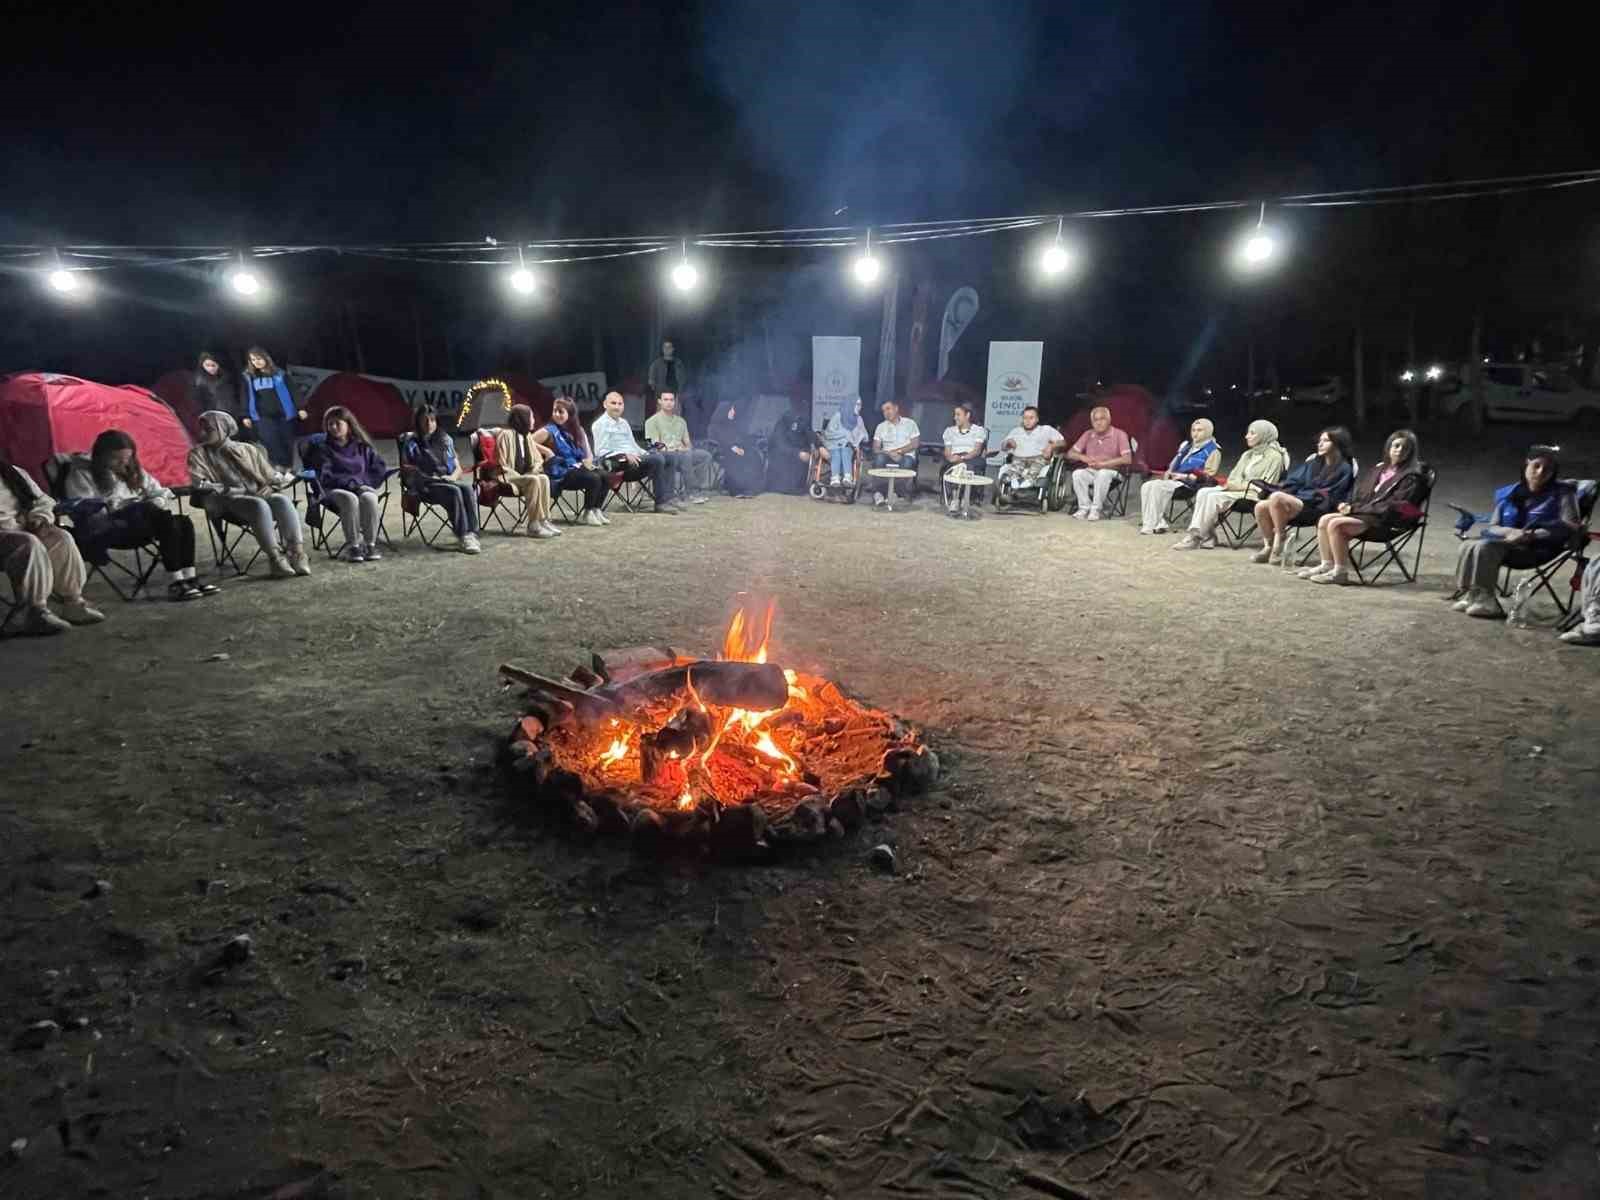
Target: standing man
(964, 445)
(668, 433)
(615, 450)
(668, 374)
(894, 444)
(1103, 452)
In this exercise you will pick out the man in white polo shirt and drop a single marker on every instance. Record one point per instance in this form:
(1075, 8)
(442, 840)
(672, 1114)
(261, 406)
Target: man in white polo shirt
(615, 450)
(894, 444)
(1032, 446)
(964, 445)
(1100, 453)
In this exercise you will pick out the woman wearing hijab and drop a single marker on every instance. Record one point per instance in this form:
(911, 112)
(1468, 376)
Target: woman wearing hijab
(1308, 493)
(237, 480)
(39, 556)
(1195, 463)
(1389, 495)
(743, 467)
(1534, 520)
(842, 437)
(1264, 459)
(571, 467)
(522, 469)
(430, 471)
(789, 450)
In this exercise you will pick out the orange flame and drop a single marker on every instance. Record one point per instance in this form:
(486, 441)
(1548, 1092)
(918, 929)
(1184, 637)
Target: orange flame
(686, 800)
(618, 750)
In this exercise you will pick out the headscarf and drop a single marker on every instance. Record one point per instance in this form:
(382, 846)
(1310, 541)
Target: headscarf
(1208, 431)
(1265, 460)
(850, 415)
(230, 463)
(216, 427)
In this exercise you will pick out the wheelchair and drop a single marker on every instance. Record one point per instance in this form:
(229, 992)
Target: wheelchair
(1050, 491)
(818, 485)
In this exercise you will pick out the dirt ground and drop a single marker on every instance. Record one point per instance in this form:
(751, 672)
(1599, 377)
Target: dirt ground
(1234, 886)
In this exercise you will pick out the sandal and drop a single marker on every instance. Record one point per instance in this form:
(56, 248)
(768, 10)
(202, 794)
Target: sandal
(205, 589)
(183, 590)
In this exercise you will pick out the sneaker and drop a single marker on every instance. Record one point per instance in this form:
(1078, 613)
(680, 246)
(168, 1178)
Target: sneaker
(592, 516)
(698, 498)
(1189, 542)
(1081, 514)
(373, 554)
(549, 529)
(1094, 514)
(836, 481)
(666, 510)
(182, 589)
(42, 622)
(1308, 572)
(277, 568)
(1486, 607)
(604, 520)
(299, 563)
(469, 544)
(1463, 604)
(1262, 555)
(1581, 636)
(1209, 544)
(78, 612)
(878, 500)
(1162, 527)
(542, 531)
(1334, 576)
(351, 554)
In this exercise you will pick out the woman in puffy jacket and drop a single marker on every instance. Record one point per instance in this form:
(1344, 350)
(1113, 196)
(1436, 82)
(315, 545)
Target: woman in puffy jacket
(1308, 493)
(350, 473)
(1196, 462)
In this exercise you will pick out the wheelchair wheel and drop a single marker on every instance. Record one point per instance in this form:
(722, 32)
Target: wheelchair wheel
(1060, 491)
(1044, 500)
(818, 491)
(1002, 498)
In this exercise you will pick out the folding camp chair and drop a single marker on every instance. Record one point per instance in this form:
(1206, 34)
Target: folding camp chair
(632, 494)
(309, 449)
(1376, 551)
(418, 514)
(498, 501)
(77, 517)
(1539, 579)
(1116, 504)
(1307, 520)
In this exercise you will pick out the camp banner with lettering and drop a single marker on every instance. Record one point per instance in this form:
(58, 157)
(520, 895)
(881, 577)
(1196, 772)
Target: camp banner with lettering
(835, 376)
(585, 388)
(1013, 386)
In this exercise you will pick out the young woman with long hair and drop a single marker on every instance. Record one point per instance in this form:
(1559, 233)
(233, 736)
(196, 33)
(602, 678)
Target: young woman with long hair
(137, 510)
(571, 467)
(39, 557)
(236, 478)
(429, 469)
(1308, 492)
(522, 462)
(270, 410)
(350, 472)
(1389, 495)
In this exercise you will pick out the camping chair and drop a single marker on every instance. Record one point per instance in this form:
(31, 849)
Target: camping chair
(632, 494)
(77, 515)
(1388, 546)
(308, 450)
(497, 500)
(1538, 578)
(1051, 492)
(1306, 520)
(418, 514)
(1116, 504)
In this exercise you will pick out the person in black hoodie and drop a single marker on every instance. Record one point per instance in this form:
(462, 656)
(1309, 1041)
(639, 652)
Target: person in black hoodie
(212, 389)
(789, 451)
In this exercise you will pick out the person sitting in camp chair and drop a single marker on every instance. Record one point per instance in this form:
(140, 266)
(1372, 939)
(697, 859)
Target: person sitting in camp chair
(350, 473)
(1031, 446)
(1534, 520)
(894, 444)
(237, 480)
(570, 465)
(616, 450)
(138, 510)
(965, 446)
(1306, 495)
(40, 557)
(668, 433)
(1102, 452)
(431, 472)
(1263, 459)
(522, 462)
(1386, 498)
(1194, 466)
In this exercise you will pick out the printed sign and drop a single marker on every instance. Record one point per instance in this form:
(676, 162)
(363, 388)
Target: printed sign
(835, 375)
(1013, 386)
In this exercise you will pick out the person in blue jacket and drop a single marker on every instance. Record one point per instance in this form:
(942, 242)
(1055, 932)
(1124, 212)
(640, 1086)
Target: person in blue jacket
(1534, 520)
(1308, 493)
(270, 410)
(429, 469)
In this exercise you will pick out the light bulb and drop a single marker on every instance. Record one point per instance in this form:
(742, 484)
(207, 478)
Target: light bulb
(1435, 372)
(246, 282)
(684, 276)
(522, 281)
(1055, 259)
(1258, 248)
(866, 269)
(65, 281)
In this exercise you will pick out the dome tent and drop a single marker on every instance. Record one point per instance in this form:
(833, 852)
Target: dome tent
(42, 413)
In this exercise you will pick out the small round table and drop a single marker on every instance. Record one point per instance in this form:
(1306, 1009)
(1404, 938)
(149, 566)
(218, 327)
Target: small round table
(891, 474)
(966, 480)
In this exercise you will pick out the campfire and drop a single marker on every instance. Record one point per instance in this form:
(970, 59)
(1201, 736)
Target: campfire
(732, 751)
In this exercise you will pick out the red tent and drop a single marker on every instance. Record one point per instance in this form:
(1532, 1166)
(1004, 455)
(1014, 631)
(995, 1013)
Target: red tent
(173, 387)
(43, 414)
(380, 407)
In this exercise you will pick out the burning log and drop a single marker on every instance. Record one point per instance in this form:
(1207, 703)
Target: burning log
(616, 666)
(755, 687)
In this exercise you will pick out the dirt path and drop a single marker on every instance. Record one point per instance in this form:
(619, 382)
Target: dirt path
(1236, 887)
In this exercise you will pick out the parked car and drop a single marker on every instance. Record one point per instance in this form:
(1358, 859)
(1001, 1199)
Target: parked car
(1542, 392)
(1326, 391)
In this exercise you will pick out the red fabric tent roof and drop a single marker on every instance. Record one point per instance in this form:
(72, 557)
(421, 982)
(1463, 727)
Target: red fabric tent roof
(42, 413)
(1135, 412)
(378, 406)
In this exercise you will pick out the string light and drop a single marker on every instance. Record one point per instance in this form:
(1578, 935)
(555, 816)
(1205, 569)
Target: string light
(246, 283)
(1258, 248)
(1057, 258)
(684, 275)
(522, 280)
(867, 267)
(65, 282)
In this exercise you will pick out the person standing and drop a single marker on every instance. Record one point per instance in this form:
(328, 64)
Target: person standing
(269, 408)
(616, 451)
(894, 444)
(669, 434)
(668, 374)
(39, 556)
(212, 389)
(1101, 452)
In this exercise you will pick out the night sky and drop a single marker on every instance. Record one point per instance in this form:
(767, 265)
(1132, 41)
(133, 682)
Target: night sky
(178, 124)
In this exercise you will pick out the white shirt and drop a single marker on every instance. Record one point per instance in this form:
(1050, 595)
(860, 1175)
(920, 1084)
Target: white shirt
(11, 516)
(891, 435)
(613, 435)
(973, 439)
(1031, 443)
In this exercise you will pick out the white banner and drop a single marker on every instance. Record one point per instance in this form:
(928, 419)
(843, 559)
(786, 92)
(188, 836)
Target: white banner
(835, 375)
(1013, 386)
(587, 388)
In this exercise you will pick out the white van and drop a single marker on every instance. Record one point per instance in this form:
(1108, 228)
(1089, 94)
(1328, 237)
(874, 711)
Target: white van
(1543, 392)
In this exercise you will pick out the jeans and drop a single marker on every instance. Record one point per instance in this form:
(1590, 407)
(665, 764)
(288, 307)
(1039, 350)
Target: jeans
(691, 467)
(142, 521)
(358, 513)
(841, 458)
(277, 439)
(458, 499)
(261, 514)
(906, 461)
